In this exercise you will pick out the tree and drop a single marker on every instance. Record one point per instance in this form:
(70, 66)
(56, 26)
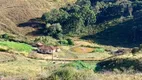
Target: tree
(89, 15)
(73, 25)
(55, 16)
(70, 42)
(83, 2)
(53, 30)
(74, 19)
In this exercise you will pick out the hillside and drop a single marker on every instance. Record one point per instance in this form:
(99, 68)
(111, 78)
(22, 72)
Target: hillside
(70, 39)
(14, 12)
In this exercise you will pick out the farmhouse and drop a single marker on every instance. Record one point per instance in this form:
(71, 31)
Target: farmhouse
(47, 49)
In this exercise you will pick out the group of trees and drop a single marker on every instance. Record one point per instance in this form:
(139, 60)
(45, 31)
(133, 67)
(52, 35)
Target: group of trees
(83, 16)
(54, 30)
(72, 19)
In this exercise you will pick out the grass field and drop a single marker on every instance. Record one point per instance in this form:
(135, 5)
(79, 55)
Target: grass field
(23, 68)
(8, 46)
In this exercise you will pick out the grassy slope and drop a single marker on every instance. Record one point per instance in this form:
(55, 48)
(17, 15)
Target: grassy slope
(13, 12)
(23, 68)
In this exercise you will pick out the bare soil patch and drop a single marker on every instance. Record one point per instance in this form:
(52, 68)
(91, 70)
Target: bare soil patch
(82, 50)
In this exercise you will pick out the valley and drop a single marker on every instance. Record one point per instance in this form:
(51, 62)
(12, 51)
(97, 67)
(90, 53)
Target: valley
(70, 40)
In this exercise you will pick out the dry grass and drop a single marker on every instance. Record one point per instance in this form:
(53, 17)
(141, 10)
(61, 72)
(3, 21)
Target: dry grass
(79, 42)
(13, 12)
(4, 57)
(23, 68)
(110, 76)
(82, 50)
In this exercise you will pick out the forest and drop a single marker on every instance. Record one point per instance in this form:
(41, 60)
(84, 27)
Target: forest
(116, 22)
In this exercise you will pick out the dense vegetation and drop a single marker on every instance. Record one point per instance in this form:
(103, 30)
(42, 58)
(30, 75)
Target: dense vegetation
(101, 19)
(78, 18)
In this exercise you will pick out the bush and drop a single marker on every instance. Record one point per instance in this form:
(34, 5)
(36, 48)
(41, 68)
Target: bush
(6, 36)
(63, 42)
(59, 36)
(140, 47)
(69, 73)
(63, 74)
(99, 50)
(47, 40)
(79, 65)
(66, 42)
(135, 50)
(70, 42)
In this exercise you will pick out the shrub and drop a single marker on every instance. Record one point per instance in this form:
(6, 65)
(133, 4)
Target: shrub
(70, 42)
(99, 50)
(6, 36)
(135, 50)
(63, 42)
(79, 65)
(66, 42)
(59, 36)
(63, 74)
(85, 75)
(140, 47)
(46, 40)
(69, 73)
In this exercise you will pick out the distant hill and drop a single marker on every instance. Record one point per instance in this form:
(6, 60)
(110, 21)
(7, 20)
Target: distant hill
(14, 12)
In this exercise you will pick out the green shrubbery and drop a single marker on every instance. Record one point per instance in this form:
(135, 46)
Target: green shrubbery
(66, 42)
(81, 16)
(136, 49)
(69, 73)
(73, 18)
(80, 65)
(46, 40)
(6, 36)
(140, 47)
(101, 50)
(54, 30)
(77, 70)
